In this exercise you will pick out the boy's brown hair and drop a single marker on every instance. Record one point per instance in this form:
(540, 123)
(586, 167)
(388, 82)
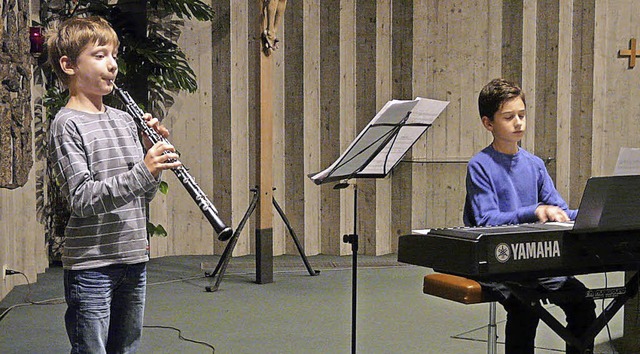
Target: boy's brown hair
(494, 94)
(73, 35)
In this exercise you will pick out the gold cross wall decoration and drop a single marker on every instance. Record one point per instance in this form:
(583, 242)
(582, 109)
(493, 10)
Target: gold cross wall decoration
(632, 53)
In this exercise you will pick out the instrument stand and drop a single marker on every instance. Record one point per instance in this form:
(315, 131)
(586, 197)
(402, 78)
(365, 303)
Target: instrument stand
(353, 240)
(376, 150)
(620, 296)
(221, 267)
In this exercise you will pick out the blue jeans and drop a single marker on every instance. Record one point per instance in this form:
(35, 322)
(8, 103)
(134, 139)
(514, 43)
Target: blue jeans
(105, 308)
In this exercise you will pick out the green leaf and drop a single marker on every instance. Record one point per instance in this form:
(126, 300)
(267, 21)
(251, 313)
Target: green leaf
(151, 228)
(156, 230)
(185, 8)
(163, 187)
(160, 231)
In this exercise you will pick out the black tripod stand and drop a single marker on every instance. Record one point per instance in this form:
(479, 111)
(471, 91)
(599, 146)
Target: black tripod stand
(221, 267)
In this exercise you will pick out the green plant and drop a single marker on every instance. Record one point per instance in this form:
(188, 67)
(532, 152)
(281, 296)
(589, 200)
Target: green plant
(151, 67)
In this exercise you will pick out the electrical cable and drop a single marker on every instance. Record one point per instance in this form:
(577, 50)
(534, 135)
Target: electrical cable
(181, 337)
(57, 301)
(27, 298)
(602, 303)
(602, 308)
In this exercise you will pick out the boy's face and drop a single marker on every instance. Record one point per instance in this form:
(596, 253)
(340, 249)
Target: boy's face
(94, 71)
(509, 123)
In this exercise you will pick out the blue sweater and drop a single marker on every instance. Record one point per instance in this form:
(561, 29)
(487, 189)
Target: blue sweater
(506, 189)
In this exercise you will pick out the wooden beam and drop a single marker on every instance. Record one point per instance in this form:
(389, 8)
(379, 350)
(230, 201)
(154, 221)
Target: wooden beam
(312, 131)
(264, 169)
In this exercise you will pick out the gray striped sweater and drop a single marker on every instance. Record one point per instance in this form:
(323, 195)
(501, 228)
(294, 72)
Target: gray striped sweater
(98, 165)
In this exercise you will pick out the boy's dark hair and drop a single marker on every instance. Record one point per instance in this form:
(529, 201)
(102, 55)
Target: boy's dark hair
(73, 35)
(494, 94)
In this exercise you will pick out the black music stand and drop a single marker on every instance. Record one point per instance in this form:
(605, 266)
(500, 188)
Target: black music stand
(221, 267)
(373, 154)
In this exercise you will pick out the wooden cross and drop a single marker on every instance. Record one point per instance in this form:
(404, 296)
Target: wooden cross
(632, 53)
(264, 171)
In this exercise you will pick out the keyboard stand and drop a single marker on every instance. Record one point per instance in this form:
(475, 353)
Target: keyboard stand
(535, 298)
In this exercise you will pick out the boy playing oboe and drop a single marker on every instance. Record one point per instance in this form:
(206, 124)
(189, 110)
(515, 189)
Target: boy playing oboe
(104, 173)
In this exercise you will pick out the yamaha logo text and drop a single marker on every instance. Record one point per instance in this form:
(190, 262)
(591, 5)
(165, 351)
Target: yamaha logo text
(527, 250)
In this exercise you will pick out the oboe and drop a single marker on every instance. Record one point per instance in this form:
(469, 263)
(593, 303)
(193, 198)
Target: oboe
(206, 206)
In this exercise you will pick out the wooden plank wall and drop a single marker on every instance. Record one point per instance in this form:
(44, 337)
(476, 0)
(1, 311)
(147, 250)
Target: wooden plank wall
(455, 54)
(22, 245)
(338, 63)
(312, 37)
(382, 239)
(616, 115)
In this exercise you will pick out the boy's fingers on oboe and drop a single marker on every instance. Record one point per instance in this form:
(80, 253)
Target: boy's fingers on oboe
(154, 123)
(163, 146)
(161, 156)
(165, 151)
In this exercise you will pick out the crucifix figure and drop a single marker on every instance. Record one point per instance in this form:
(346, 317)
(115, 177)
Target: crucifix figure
(272, 15)
(632, 53)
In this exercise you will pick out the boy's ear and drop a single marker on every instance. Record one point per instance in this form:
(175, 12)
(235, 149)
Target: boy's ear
(67, 66)
(487, 123)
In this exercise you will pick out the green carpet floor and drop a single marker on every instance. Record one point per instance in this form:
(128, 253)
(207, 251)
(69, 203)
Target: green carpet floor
(297, 313)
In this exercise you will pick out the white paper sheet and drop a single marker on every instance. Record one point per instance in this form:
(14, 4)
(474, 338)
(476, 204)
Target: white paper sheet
(366, 155)
(628, 162)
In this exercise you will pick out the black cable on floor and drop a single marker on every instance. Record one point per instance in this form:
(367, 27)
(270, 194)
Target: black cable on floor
(56, 301)
(27, 297)
(213, 350)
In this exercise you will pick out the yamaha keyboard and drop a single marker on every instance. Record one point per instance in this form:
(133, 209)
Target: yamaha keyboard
(517, 252)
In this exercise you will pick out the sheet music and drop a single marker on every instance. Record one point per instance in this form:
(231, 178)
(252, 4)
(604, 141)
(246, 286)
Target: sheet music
(422, 112)
(628, 162)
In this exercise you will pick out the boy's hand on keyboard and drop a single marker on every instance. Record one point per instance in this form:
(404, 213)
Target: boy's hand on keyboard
(551, 213)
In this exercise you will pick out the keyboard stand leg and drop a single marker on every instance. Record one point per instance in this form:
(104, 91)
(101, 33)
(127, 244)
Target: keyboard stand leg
(533, 298)
(614, 306)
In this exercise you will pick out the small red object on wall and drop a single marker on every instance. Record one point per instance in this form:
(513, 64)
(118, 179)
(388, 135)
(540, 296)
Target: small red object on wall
(37, 40)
